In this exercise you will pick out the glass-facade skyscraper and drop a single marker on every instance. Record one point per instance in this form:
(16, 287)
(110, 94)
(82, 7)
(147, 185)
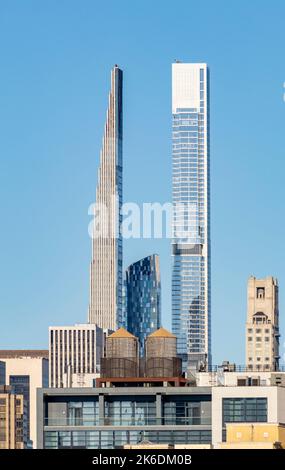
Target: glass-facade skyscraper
(191, 288)
(143, 298)
(106, 276)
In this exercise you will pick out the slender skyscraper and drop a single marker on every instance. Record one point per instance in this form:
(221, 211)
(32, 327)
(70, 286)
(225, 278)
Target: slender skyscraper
(143, 298)
(191, 290)
(105, 307)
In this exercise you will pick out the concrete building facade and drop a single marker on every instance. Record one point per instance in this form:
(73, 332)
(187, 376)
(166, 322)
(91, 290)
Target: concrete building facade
(74, 355)
(254, 436)
(262, 326)
(27, 370)
(261, 404)
(13, 420)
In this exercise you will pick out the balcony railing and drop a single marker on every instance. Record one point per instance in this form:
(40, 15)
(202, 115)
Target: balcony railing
(129, 421)
(241, 368)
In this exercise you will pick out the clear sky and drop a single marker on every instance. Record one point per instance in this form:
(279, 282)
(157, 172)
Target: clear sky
(55, 62)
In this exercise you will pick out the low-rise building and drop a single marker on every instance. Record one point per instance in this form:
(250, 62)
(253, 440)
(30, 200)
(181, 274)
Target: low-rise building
(13, 420)
(116, 416)
(247, 404)
(142, 402)
(27, 370)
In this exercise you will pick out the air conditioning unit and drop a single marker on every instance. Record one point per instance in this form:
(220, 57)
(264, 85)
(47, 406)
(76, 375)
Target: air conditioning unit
(277, 379)
(242, 381)
(255, 381)
(248, 381)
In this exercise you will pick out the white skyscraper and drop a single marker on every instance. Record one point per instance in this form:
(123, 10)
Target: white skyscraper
(105, 308)
(191, 291)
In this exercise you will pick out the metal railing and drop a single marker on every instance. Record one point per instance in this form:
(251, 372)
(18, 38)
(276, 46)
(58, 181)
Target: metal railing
(241, 368)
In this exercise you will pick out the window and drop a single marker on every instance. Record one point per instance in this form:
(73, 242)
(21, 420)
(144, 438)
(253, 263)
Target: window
(260, 292)
(244, 410)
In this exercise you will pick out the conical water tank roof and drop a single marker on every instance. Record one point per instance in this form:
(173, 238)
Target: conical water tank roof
(122, 344)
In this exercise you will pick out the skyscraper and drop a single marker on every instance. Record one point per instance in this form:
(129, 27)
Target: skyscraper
(143, 298)
(105, 308)
(262, 326)
(191, 288)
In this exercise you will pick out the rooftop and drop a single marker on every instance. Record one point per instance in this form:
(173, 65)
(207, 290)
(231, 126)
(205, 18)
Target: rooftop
(161, 333)
(121, 333)
(17, 353)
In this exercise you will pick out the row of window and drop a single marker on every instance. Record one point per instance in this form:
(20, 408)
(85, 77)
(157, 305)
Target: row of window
(116, 439)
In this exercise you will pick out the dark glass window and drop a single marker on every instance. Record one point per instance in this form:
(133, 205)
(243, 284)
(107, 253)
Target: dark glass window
(244, 410)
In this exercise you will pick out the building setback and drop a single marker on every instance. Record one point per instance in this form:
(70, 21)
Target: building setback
(191, 286)
(106, 283)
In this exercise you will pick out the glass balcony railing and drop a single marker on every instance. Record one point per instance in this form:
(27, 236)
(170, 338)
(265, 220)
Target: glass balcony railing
(128, 421)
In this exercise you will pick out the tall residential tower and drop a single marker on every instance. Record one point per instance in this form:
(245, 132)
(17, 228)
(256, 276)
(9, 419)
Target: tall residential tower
(105, 308)
(191, 288)
(143, 303)
(262, 326)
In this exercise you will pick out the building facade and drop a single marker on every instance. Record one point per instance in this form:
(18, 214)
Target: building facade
(106, 283)
(254, 436)
(262, 326)
(191, 287)
(74, 355)
(88, 418)
(143, 298)
(2, 373)
(116, 417)
(13, 420)
(245, 404)
(27, 370)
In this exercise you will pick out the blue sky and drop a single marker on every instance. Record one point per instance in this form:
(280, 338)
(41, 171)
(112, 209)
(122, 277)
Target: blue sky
(55, 61)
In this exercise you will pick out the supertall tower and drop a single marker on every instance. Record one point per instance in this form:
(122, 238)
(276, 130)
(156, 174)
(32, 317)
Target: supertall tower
(262, 326)
(191, 285)
(105, 308)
